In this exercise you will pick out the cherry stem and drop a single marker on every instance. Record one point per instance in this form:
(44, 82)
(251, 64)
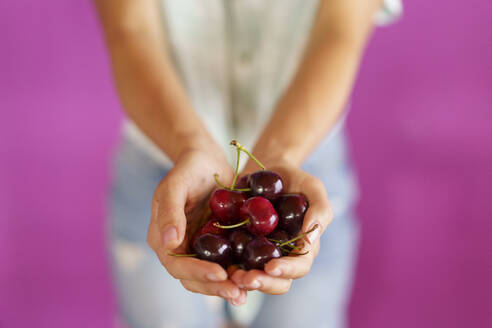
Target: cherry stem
(181, 255)
(280, 242)
(285, 249)
(299, 236)
(218, 225)
(291, 251)
(236, 172)
(216, 177)
(295, 248)
(292, 248)
(241, 148)
(298, 254)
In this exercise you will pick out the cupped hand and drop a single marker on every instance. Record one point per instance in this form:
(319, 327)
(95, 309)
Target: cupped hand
(279, 273)
(179, 200)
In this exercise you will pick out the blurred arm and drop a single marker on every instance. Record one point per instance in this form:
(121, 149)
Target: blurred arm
(319, 91)
(148, 86)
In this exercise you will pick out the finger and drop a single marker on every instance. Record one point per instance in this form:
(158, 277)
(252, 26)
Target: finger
(189, 268)
(231, 269)
(241, 299)
(225, 289)
(294, 266)
(237, 277)
(319, 212)
(168, 206)
(259, 280)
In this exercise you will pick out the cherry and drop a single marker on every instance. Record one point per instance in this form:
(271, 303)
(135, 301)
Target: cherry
(209, 227)
(214, 248)
(259, 216)
(266, 183)
(258, 252)
(291, 209)
(239, 239)
(243, 182)
(225, 205)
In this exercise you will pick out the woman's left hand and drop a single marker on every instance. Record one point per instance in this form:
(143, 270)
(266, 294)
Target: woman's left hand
(279, 273)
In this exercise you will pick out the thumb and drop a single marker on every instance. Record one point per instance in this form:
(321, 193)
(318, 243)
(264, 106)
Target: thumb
(168, 216)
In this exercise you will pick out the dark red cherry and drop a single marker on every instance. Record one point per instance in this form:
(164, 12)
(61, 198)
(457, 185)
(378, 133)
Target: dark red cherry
(265, 183)
(209, 227)
(239, 239)
(262, 217)
(258, 252)
(243, 182)
(291, 209)
(214, 248)
(225, 205)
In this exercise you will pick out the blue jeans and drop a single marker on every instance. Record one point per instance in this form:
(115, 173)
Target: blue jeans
(149, 297)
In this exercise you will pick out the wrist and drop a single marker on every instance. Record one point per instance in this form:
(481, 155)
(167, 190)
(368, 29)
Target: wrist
(199, 143)
(274, 153)
(270, 161)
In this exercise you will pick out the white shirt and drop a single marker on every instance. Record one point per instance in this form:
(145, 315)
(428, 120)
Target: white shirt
(235, 59)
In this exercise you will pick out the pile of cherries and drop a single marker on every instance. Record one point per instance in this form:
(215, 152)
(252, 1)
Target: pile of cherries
(251, 222)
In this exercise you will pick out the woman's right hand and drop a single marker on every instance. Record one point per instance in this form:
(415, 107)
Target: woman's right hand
(178, 199)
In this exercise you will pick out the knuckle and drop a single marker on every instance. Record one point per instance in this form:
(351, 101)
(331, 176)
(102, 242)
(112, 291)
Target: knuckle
(173, 274)
(318, 184)
(329, 214)
(285, 288)
(282, 289)
(150, 241)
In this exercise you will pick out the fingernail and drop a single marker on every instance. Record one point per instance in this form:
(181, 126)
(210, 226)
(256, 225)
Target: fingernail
(255, 284)
(234, 302)
(315, 234)
(275, 272)
(213, 277)
(169, 234)
(223, 294)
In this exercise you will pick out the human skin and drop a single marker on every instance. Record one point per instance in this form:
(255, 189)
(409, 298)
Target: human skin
(154, 98)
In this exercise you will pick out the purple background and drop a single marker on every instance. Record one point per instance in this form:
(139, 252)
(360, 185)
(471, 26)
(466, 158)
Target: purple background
(421, 133)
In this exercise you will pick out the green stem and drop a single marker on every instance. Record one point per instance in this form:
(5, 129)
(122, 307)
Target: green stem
(294, 248)
(291, 251)
(241, 189)
(181, 255)
(297, 254)
(237, 168)
(299, 236)
(283, 249)
(280, 242)
(216, 177)
(232, 226)
(238, 146)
